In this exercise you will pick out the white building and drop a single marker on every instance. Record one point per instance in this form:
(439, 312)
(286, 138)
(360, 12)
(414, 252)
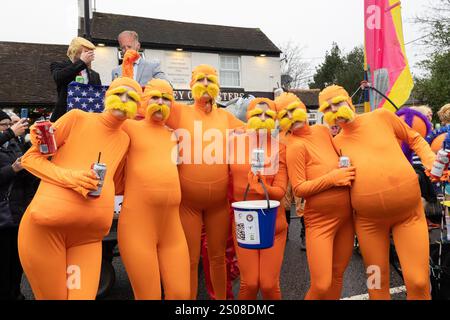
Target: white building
(246, 59)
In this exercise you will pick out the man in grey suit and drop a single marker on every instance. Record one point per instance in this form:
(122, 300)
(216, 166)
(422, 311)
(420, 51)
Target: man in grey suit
(144, 70)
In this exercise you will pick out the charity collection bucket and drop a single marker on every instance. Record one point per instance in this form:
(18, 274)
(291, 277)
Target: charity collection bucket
(255, 222)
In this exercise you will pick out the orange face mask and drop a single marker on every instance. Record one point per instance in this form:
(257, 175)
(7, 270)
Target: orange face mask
(157, 89)
(255, 109)
(199, 88)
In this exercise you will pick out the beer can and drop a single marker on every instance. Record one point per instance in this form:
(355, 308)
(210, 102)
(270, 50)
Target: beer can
(100, 170)
(440, 164)
(257, 160)
(344, 162)
(442, 156)
(48, 142)
(79, 79)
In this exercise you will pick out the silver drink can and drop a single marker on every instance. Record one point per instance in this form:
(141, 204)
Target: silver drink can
(100, 170)
(344, 162)
(257, 160)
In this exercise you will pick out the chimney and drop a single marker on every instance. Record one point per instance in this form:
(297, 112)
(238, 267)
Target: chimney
(84, 10)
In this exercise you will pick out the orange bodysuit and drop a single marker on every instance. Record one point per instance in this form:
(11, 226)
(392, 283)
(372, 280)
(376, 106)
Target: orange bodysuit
(61, 231)
(150, 235)
(204, 190)
(312, 165)
(386, 197)
(260, 268)
(203, 173)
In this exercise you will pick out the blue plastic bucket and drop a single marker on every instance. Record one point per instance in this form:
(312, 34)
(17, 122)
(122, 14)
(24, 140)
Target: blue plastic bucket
(255, 223)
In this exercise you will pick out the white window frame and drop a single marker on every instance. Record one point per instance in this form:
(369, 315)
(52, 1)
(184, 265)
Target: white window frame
(230, 70)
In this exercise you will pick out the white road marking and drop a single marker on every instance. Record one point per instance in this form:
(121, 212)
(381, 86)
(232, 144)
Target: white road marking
(366, 296)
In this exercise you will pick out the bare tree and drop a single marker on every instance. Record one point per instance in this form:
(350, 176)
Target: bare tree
(436, 24)
(295, 71)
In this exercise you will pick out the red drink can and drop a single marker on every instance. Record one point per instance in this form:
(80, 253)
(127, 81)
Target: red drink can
(48, 142)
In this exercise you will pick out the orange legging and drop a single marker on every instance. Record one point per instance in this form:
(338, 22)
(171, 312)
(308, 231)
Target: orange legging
(329, 248)
(409, 231)
(54, 257)
(151, 238)
(260, 269)
(153, 248)
(210, 207)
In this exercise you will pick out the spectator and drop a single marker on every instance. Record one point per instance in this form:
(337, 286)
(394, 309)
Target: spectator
(17, 188)
(425, 110)
(444, 114)
(23, 138)
(81, 55)
(143, 71)
(15, 130)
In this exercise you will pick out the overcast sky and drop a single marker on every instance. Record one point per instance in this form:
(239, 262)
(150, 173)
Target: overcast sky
(313, 24)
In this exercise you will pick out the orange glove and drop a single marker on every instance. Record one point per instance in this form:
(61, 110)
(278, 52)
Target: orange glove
(130, 57)
(342, 177)
(253, 181)
(81, 181)
(443, 178)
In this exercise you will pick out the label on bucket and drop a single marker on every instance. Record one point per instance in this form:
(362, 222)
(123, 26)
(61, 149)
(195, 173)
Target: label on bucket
(247, 227)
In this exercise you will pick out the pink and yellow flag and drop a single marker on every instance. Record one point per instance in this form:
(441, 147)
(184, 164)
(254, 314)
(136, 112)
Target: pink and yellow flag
(385, 57)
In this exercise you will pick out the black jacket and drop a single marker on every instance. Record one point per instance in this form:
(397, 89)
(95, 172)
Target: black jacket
(64, 73)
(6, 135)
(24, 184)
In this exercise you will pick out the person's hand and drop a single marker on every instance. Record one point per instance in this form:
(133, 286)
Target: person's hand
(20, 127)
(17, 165)
(84, 181)
(254, 182)
(364, 84)
(443, 178)
(87, 57)
(343, 177)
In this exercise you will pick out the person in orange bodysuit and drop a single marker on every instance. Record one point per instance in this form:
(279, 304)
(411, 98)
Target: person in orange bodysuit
(61, 232)
(313, 170)
(203, 174)
(260, 269)
(385, 194)
(151, 239)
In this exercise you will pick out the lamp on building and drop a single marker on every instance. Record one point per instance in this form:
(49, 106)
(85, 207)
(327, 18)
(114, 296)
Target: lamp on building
(262, 55)
(100, 44)
(179, 49)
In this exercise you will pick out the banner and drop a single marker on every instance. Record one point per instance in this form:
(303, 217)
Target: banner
(385, 59)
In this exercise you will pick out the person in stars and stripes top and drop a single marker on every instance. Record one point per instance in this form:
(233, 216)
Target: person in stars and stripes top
(81, 55)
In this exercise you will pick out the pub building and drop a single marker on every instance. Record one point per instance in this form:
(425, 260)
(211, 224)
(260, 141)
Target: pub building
(248, 62)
